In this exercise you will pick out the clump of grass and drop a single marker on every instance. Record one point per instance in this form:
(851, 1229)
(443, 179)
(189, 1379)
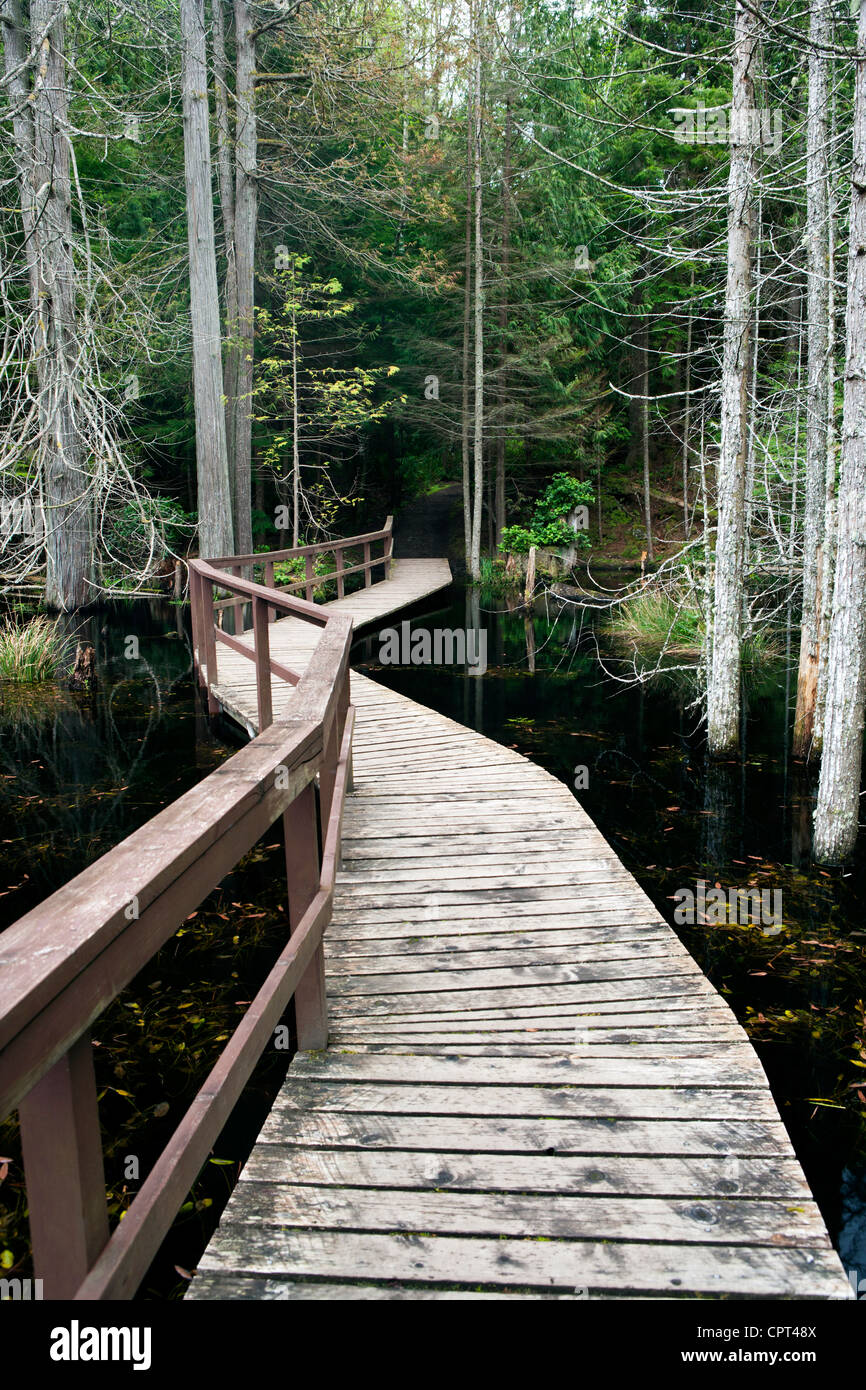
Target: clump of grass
(494, 577)
(31, 651)
(655, 620)
(660, 622)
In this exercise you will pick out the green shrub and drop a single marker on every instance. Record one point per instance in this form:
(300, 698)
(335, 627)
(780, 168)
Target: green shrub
(549, 527)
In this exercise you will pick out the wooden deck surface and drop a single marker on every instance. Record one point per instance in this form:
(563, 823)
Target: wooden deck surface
(531, 1089)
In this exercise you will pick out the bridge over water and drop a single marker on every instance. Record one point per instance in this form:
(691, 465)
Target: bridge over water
(513, 1080)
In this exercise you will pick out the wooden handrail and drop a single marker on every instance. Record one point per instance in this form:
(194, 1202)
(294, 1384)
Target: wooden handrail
(320, 547)
(64, 962)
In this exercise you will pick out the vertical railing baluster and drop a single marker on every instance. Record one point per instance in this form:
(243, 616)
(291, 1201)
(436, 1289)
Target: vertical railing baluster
(389, 545)
(196, 623)
(303, 867)
(341, 583)
(345, 697)
(63, 1170)
(269, 584)
(308, 566)
(263, 663)
(368, 568)
(238, 608)
(209, 640)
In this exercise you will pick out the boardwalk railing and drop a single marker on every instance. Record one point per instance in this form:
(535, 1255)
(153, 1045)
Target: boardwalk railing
(63, 963)
(265, 562)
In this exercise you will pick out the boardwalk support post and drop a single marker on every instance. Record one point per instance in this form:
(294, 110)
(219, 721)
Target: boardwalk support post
(301, 831)
(64, 1172)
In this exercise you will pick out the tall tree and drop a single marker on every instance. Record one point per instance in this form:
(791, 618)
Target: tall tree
(214, 490)
(245, 218)
(226, 177)
(837, 811)
(478, 307)
(723, 694)
(499, 501)
(818, 367)
(43, 143)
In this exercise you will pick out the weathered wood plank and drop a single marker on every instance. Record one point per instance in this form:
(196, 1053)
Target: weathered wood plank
(539, 1135)
(715, 1270)
(733, 1221)
(599, 991)
(576, 1102)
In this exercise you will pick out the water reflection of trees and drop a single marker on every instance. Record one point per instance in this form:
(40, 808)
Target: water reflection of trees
(69, 762)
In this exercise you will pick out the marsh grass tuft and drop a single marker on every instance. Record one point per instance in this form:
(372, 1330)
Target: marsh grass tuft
(31, 651)
(654, 621)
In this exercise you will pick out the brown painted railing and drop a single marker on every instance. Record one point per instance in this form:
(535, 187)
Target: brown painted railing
(63, 963)
(266, 561)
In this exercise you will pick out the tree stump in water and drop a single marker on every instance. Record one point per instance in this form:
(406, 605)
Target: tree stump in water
(84, 672)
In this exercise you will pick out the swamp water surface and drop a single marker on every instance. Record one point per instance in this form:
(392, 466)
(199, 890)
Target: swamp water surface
(79, 772)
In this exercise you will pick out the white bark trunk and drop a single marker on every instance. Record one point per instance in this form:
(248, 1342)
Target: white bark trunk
(214, 492)
(828, 549)
(644, 420)
(225, 170)
(837, 813)
(723, 694)
(478, 440)
(817, 371)
(467, 305)
(246, 216)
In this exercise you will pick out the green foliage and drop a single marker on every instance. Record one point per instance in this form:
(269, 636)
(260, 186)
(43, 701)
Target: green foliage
(549, 527)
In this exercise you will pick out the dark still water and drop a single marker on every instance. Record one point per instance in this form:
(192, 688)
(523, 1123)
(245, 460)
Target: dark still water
(674, 818)
(80, 772)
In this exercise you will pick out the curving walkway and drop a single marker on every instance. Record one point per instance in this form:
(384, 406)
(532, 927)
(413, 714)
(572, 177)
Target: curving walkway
(530, 1088)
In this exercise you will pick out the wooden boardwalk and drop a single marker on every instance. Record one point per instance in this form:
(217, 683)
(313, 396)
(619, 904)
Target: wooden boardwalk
(530, 1089)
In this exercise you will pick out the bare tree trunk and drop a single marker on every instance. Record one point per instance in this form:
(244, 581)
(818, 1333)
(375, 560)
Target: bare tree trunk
(246, 215)
(688, 406)
(828, 548)
(499, 505)
(296, 452)
(467, 303)
(647, 505)
(478, 423)
(837, 813)
(225, 171)
(214, 491)
(817, 305)
(723, 693)
(41, 131)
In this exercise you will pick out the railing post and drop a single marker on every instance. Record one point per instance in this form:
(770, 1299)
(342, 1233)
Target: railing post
(209, 642)
(238, 609)
(195, 619)
(341, 583)
(303, 867)
(389, 545)
(368, 568)
(308, 566)
(263, 663)
(63, 1169)
(345, 696)
(269, 584)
